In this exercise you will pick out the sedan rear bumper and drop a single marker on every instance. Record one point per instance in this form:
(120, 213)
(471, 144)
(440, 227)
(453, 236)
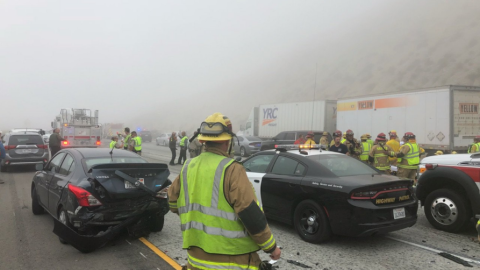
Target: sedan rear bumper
(372, 229)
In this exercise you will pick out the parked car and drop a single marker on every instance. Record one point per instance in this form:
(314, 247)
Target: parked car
(289, 137)
(448, 189)
(146, 136)
(24, 148)
(163, 139)
(323, 193)
(248, 145)
(93, 193)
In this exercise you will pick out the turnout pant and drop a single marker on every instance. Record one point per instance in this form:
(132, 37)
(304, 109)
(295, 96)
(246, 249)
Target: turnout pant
(199, 259)
(407, 173)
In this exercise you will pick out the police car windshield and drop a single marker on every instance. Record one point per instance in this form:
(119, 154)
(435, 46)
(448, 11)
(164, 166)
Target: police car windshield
(342, 165)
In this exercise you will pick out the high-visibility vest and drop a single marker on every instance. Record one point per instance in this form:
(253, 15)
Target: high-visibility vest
(208, 221)
(138, 143)
(413, 157)
(477, 145)
(365, 151)
(127, 140)
(343, 141)
(183, 140)
(370, 142)
(112, 144)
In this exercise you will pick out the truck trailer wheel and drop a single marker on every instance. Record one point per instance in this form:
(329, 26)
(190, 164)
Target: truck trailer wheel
(446, 210)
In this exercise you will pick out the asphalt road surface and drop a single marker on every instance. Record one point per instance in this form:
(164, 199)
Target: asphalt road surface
(27, 241)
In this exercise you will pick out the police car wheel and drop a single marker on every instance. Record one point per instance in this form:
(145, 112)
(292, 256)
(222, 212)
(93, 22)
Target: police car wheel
(243, 152)
(311, 222)
(446, 210)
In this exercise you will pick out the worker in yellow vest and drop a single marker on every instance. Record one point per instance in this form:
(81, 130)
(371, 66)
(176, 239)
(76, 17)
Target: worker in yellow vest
(365, 148)
(115, 143)
(136, 143)
(475, 147)
(127, 139)
(409, 157)
(369, 139)
(344, 139)
(379, 154)
(222, 224)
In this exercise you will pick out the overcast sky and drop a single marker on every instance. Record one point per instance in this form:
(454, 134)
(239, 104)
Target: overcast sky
(141, 62)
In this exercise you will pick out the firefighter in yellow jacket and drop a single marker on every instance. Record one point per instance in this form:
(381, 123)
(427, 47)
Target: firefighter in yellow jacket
(394, 144)
(379, 154)
(222, 223)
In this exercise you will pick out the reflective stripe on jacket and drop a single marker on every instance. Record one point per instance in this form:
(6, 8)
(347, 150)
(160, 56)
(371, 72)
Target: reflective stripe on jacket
(413, 157)
(208, 221)
(365, 151)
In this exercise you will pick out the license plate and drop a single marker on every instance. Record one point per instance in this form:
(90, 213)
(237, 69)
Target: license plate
(398, 213)
(129, 185)
(26, 151)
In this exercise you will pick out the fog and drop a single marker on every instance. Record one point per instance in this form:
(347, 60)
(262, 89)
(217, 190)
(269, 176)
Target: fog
(167, 65)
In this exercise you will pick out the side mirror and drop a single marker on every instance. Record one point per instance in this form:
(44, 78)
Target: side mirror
(39, 167)
(239, 159)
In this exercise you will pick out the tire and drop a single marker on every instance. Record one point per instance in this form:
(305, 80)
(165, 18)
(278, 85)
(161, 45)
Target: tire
(37, 209)
(63, 218)
(446, 210)
(311, 222)
(243, 152)
(156, 222)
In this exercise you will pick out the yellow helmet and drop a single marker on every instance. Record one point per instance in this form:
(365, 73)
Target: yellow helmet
(216, 127)
(454, 152)
(439, 153)
(364, 137)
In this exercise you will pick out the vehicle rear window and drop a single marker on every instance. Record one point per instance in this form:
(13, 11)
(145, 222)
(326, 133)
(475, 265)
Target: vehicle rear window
(342, 165)
(25, 139)
(89, 162)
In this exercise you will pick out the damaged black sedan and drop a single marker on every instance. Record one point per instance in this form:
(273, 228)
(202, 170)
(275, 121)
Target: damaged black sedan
(95, 193)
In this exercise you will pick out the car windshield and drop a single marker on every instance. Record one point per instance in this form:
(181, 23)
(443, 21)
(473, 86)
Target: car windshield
(342, 165)
(25, 139)
(89, 162)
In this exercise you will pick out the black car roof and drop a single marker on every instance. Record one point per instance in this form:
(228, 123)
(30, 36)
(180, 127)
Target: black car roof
(101, 152)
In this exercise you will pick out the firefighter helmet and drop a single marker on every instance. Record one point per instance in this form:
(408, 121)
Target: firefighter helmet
(381, 137)
(325, 133)
(337, 133)
(349, 132)
(392, 133)
(310, 134)
(438, 153)
(364, 137)
(409, 135)
(217, 127)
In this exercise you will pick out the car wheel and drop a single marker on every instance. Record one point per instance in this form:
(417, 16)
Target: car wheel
(446, 210)
(156, 222)
(37, 209)
(63, 218)
(311, 222)
(243, 152)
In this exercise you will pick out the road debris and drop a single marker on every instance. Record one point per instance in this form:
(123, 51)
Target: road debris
(455, 259)
(298, 264)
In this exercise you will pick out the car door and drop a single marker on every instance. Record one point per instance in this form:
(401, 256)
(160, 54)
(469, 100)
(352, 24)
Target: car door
(59, 181)
(44, 177)
(281, 186)
(256, 168)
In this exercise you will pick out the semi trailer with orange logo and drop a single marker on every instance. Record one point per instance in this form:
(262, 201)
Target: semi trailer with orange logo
(442, 118)
(268, 120)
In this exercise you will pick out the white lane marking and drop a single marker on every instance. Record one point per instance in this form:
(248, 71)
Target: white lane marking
(128, 242)
(13, 213)
(432, 249)
(143, 255)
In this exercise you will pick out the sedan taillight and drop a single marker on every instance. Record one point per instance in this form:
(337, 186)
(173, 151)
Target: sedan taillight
(84, 197)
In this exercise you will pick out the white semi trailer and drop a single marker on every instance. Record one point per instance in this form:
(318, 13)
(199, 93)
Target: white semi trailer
(266, 121)
(78, 127)
(442, 118)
